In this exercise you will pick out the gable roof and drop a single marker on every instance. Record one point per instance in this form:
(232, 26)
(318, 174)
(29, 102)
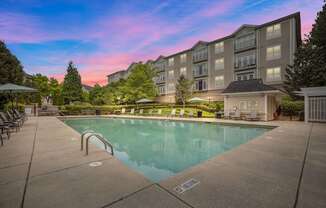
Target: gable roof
(252, 85)
(199, 43)
(242, 27)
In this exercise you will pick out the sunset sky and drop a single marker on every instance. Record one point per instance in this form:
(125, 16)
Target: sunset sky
(104, 36)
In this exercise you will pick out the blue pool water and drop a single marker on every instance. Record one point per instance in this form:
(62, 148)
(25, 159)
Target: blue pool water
(159, 149)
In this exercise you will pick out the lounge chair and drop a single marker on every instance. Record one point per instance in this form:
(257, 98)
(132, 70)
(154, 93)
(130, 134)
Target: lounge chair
(159, 112)
(141, 111)
(173, 112)
(191, 114)
(5, 129)
(22, 115)
(252, 117)
(150, 112)
(123, 111)
(132, 111)
(12, 123)
(6, 123)
(236, 115)
(13, 117)
(182, 113)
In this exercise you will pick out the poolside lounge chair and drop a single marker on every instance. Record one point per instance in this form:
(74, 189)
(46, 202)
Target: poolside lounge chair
(141, 111)
(173, 112)
(22, 115)
(123, 111)
(5, 122)
(182, 113)
(252, 117)
(14, 117)
(236, 115)
(150, 112)
(191, 114)
(8, 121)
(132, 111)
(4, 129)
(159, 112)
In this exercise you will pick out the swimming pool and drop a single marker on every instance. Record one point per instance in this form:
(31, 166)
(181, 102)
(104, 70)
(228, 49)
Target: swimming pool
(159, 148)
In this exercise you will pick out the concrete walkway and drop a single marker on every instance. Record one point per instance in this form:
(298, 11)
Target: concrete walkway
(42, 166)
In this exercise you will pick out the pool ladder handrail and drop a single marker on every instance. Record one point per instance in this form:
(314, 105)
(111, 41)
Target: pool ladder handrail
(98, 136)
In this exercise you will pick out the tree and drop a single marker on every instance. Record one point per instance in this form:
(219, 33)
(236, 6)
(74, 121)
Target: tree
(55, 90)
(183, 90)
(72, 87)
(139, 84)
(96, 95)
(41, 83)
(309, 68)
(11, 69)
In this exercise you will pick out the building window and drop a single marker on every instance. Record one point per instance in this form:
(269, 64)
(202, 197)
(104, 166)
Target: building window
(219, 47)
(219, 64)
(200, 70)
(245, 61)
(200, 85)
(183, 58)
(171, 74)
(273, 74)
(273, 31)
(161, 90)
(161, 77)
(200, 55)
(171, 87)
(183, 71)
(171, 61)
(245, 76)
(219, 81)
(246, 41)
(273, 52)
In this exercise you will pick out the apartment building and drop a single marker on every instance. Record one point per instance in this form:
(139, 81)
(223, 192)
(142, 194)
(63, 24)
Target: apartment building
(251, 52)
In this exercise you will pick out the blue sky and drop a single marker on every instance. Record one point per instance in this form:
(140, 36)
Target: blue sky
(105, 36)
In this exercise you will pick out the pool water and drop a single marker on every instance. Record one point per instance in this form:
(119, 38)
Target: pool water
(159, 149)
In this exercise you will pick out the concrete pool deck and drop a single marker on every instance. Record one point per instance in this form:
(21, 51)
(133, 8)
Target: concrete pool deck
(42, 166)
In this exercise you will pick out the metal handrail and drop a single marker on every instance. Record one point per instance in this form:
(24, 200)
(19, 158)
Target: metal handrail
(88, 131)
(101, 138)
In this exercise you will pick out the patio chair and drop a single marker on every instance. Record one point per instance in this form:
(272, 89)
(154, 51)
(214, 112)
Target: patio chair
(252, 117)
(182, 113)
(173, 112)
(123, 111)
(5, 129)
(236, 115)
(141, 111)
(5, 124)
(22, 115)
(5, 120)
(132, 111)
(16, 119)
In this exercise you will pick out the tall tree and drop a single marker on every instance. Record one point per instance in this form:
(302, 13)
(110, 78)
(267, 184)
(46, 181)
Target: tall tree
(41, 83)
(96, 95)
(11, 69)
(139, 84)
(72, 87)
(183, 90)
(55, 90)
(309, 68)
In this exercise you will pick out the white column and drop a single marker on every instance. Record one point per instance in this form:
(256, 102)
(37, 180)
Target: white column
(306, 108)
(266, 107)
(225, 106)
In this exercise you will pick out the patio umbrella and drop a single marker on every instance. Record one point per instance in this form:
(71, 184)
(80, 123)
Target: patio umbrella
(197, 100)
(10, 89)
(144, 100)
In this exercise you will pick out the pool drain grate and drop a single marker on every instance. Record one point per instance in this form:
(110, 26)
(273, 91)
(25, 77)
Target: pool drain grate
(189, 184)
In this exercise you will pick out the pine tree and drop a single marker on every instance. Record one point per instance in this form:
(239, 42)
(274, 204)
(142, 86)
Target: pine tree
(309, 68)
(10, 68)
(72, 87)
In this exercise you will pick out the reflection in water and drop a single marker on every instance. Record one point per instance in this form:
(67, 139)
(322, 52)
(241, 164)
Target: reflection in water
(159, 149)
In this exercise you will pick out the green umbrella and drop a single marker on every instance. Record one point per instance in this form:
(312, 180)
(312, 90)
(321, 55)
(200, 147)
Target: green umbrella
(144, 100)
(10, 89)
(197, 100)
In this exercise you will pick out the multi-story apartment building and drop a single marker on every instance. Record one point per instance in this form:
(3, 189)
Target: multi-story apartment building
(251, 52)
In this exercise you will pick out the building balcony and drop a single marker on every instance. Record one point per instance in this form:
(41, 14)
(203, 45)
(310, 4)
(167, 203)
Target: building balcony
(243, 46)
(200, 58)
(244, 67)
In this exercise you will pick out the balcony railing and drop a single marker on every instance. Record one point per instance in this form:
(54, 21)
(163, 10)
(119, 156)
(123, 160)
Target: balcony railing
(245, 45)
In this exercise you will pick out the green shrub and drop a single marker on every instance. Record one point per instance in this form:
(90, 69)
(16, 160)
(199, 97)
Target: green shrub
(291, 107)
